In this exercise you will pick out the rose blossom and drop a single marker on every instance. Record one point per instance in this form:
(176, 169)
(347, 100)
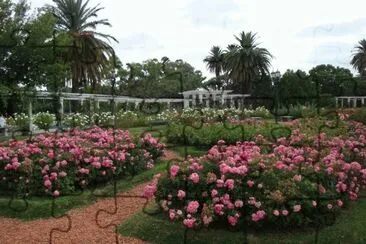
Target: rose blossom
(181, 194)
(189, 223)
(239, 203)
(297, 208)
(195, 178)
(193, 207)
(174, 170)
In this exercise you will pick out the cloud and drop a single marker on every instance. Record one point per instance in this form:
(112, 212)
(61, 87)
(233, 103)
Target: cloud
(335, 53)
(338, 29)
(139, 41)
(213, 13)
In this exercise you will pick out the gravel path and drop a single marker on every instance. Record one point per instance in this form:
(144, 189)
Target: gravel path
(84, 227)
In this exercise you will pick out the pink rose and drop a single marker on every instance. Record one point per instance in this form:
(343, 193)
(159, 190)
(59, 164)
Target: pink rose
(149, 190)
(181, 194)
(56, 193)
(214, 193)
(276, 212)
(284, 212)
(250, 183)
(239, 203)
(229, 183)
(206, 220)
(47, 184)
(218, 209)
(195, 178)
(297, 178)
(232, 220)
(193, 207)
(174, 170)
(339, 203)
(189, 223)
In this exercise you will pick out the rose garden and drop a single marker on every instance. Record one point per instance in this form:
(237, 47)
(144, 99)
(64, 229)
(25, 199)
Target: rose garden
(96, 150)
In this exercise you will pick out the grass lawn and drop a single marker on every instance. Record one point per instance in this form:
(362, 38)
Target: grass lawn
(191, 150)
(40, 207)
(349, 228)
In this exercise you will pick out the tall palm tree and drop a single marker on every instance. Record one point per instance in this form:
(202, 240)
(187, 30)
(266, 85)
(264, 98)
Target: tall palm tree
(215, 62)
(359, 57)
(90, 51)
(245, 60)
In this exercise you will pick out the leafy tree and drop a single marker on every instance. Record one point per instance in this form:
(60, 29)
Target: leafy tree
(156, 79)
(25, 63)
(331, 80)
(245, 60)
(215, 63)
(90, 50)
(359, 58)
(296, 87)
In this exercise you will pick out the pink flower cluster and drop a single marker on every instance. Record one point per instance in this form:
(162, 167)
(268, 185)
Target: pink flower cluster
(236, 183)
(82, 155)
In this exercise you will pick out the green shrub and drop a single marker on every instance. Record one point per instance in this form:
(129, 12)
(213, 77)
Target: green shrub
(44, 121)
(359, 116)
(19, 122)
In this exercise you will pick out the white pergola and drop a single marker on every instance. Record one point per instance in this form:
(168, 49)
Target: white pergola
(204, 96)
(350, 101)
(189, 99)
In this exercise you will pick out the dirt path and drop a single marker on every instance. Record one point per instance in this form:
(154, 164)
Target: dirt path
(84, 227)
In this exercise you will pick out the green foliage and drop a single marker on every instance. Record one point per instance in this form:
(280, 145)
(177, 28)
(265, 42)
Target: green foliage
(359, 115)
(244, 60)
(148, 78)
(348, 228)
(19, 122)
(331, 80)
(44, 121)
(76, 120)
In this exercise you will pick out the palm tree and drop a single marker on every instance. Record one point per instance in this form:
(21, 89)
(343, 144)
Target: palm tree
(215, 62)
(245, 60)
(90, 51)
(359, 57)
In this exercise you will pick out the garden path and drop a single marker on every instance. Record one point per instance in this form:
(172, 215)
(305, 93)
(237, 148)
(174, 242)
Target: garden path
(84, 228)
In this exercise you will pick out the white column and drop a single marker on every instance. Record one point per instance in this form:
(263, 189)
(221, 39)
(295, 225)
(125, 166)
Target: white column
(186, 102)
(194, 100)
(61, 107)
(30, 115)
(349, 102)
(168, 105)
(232, 103)
(214, 99)
(136, 104)
(342, 102)
(200, 97)
(363, 101)
(336, 101)
(355, 102)
(82, 102)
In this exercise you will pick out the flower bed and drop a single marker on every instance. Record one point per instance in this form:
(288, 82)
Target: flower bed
(63, 163)
(293, 182)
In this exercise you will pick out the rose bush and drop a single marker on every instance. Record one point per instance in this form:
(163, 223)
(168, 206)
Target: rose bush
(63, 163)
(296, 181)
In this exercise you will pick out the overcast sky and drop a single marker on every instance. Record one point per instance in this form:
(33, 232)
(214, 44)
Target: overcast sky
(300, 34)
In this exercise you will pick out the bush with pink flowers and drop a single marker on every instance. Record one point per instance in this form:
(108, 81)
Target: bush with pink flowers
(297, 181)
(63, 163)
